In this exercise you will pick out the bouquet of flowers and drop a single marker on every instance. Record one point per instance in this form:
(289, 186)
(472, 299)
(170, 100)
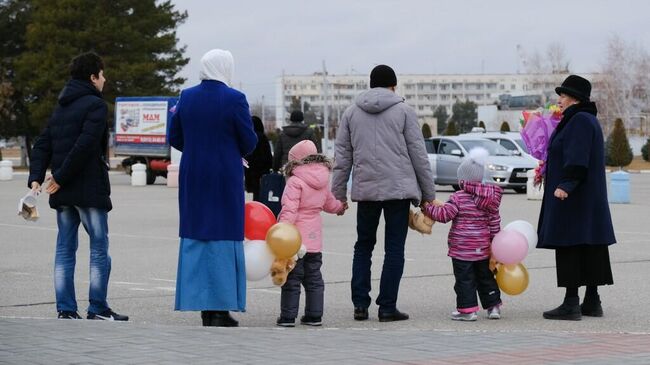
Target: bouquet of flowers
(536, 131)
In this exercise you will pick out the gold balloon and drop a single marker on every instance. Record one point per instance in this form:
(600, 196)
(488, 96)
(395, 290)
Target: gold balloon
(512, 279)
(284, 240)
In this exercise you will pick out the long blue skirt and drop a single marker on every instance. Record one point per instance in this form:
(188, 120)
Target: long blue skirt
(211, 276)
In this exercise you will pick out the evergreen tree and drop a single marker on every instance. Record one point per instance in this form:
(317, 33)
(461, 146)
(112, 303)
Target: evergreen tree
(451, 129)
(14, 17)
(644, 150)
(464, 115)
(482, 125)
(440, 113)
(505, 127)
(136, 39)
(426, 131)
(619, 152)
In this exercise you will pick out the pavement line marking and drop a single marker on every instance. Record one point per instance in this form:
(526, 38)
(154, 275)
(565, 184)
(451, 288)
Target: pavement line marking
(262, 290)
(26, 304)
(166, 288)
(165, 280)
(141, 289)
(630, 232)
(126, 283)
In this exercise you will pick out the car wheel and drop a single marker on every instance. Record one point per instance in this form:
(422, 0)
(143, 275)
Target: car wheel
(456, 187)
(520, 190)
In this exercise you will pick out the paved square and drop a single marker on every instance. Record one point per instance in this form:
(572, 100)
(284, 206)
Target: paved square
(144, 248)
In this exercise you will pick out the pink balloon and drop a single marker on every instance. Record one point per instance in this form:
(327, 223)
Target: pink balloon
(509, 247)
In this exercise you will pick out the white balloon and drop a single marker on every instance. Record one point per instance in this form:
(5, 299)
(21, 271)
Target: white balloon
(527, 230)
(258, 258)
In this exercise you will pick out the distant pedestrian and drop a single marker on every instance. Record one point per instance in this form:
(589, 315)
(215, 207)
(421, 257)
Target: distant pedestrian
(474, 212)
(306, 194)
(260, 161)
(380, 136)
(212, 127)
(291, 134)
(574, 219)
(74, 145)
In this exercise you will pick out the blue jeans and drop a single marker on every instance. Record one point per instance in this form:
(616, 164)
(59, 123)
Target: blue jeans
(95, 222)
(396, 218)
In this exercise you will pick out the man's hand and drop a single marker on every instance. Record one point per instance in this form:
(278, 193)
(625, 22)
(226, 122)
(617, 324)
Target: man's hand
(560, 194)
(36, 187)
(52, 186)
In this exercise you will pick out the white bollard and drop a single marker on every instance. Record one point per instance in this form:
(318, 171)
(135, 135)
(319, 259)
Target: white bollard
(138, 174)
(6, 170)
(533, 192)
(172, 176)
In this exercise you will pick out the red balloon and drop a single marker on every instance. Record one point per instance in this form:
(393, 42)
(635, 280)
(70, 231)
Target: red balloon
(258, 218)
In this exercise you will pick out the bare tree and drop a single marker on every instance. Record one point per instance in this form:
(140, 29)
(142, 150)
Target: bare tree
(623, 89)
(557, 58)
(554, 61)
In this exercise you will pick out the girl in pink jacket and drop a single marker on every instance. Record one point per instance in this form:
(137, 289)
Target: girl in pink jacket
(474, 212)
(305, 195)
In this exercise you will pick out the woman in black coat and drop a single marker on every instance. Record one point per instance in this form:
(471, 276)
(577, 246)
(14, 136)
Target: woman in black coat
(575, 220)
(260, 160)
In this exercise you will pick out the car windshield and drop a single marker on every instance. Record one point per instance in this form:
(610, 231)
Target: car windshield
(522, 145)
(492, 147)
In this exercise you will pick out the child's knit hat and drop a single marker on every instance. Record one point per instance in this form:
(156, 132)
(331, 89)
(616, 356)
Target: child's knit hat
(473, 166)
(301, 150)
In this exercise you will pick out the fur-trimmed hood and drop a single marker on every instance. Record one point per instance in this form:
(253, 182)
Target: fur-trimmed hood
(321, 159)
(314, 170)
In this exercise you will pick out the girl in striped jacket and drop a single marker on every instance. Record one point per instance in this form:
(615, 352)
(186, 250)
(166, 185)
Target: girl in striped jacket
(474, 212)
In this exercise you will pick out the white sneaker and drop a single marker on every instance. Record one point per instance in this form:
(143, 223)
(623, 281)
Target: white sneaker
(458, 316)
(494, 313)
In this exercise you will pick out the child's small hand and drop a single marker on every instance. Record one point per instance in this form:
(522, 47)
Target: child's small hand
(437, 203)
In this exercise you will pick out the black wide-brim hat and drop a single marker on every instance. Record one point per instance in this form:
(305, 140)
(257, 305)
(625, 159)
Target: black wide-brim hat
(575, 86)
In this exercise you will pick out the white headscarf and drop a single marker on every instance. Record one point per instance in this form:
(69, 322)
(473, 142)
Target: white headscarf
(217, 64)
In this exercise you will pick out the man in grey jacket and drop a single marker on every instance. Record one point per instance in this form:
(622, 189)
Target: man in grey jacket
(380, 142)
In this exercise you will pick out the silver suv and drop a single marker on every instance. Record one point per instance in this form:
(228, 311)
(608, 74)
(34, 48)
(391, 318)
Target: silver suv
(503, 168)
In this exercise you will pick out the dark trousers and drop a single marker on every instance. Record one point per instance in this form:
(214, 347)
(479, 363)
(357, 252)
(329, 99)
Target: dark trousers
(473, 276)
(306, 272)
(396, 219)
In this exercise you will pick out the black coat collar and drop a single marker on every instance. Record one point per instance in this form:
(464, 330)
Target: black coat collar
(588, 107)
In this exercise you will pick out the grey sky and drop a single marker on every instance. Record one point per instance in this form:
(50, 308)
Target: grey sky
(421, 36)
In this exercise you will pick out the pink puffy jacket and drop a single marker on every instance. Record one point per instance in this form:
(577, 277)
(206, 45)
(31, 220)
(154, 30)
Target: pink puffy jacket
(474, 211)
(305, 195)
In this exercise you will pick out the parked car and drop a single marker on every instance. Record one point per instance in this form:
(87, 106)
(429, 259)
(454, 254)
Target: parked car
(503, 168)
(512, 141)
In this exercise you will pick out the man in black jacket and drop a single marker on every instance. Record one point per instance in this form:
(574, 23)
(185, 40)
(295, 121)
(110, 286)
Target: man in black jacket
(74, 144)
(291, 134)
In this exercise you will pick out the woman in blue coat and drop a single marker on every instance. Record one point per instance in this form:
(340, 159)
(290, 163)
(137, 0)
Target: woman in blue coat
(575, 219)
(212, 127)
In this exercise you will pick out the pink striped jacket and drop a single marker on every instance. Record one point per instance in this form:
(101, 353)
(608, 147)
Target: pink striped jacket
(474, 211)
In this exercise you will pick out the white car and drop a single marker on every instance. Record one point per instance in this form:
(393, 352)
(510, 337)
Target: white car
(503, 168)
(512, 141)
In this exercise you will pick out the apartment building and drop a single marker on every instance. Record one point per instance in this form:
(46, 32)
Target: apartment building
(423, 92)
